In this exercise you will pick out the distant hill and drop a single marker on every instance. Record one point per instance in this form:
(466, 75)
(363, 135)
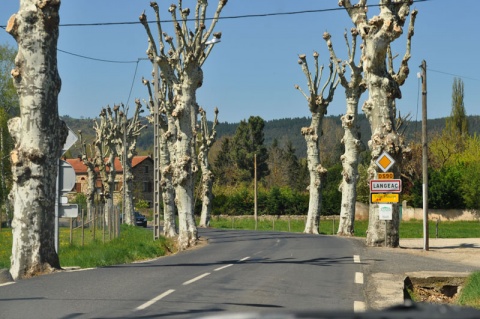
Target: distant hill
(283, 130)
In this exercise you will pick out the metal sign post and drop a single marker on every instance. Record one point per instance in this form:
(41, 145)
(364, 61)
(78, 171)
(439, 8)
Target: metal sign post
(71, 139)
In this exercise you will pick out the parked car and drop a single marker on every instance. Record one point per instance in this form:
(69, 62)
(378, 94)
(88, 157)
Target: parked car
(140, 220)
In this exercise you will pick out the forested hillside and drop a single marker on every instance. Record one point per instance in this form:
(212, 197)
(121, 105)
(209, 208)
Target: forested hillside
(283, 130)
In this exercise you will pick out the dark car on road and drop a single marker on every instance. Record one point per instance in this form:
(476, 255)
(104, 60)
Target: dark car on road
(140, 220)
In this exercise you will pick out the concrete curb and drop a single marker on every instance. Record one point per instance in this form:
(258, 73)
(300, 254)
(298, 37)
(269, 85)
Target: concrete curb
(5, 276)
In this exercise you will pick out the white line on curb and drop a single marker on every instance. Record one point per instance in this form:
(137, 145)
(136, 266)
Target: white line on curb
(195, 279)
(359, 278)
(359, 306)
(154, 300)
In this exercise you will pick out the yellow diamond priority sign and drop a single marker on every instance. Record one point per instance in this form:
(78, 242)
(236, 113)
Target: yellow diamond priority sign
(385, 161)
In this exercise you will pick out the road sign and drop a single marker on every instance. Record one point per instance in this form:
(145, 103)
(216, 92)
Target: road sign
(386, 185)
(68, 211)
(388, 175)
(385, 198)
(71, 139)
(385, 211)
(385, 161)
(66, 176)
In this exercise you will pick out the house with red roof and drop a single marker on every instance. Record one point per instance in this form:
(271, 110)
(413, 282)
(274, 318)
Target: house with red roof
(142, 169)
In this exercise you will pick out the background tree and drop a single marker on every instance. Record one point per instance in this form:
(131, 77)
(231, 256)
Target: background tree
(225, 168)
(248, 142)
(8, 95)
(383, 85)
(318, 108)
(8, 107)
(161, 107)
(206, 140)
(105, 155)
(126, 132)
(181, 68)
(354, 88)
(457, 123)
(90, 161)
(39, 135)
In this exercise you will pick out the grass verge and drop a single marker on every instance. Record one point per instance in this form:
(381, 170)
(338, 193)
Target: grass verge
(133, 244)
(470, 294)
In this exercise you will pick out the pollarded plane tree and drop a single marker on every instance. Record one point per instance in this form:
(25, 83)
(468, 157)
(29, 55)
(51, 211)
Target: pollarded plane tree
(161, 106)
(105, 156)
(354, 88)
(125, 133)
(383, 85)
(38, 135)
(91, 163)
(207, 138)
(181, 67)
(317, 104)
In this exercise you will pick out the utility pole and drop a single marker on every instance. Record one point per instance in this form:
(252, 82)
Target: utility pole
(2, 179)
(255, 189)
(424, 156)
(156, 157)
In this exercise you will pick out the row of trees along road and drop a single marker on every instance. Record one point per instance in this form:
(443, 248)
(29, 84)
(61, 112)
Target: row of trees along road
(177, 73)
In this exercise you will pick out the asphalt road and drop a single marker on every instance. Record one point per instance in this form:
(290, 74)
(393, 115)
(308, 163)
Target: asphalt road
(238, 271)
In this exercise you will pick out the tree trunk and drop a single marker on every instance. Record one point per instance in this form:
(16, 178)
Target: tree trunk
(317, 173)
(384, 138)
(207, 140)
(167, 134)
(183, 163)
(128, 192)
(384, 88)
(354, 89)
(353, 148)
(39, 136)
(109, 188)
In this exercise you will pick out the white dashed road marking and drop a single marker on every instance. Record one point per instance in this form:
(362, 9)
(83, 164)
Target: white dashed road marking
(220, 268)
(195, 279)
(356, 259)
(154, 300)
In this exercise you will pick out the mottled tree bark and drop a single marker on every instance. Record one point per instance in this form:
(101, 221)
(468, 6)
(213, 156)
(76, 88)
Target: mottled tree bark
(354, 89)
(181, 69)
(125, 133)
(161, 106)
(206, 142)
(91, 177)
(39, 135)
(384, 88)
(318, 108)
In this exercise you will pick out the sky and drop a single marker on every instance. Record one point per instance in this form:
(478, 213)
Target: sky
(253, 70)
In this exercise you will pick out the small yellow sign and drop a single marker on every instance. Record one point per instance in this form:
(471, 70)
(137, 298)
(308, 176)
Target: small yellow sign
(388, 175)
(385, 198)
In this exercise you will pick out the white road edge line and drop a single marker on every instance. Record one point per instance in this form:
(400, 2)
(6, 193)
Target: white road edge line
(359, 277)
(7, 283)
(220, 268)
(195, 279)
(359, 306)
(356, 258)
(154, 300)
(243, 259)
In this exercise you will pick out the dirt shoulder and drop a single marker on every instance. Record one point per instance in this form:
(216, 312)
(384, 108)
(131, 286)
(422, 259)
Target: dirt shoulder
(459, 250)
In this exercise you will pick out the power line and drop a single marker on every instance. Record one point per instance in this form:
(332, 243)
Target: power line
(456, 75)
(100, 60)
(245, 16)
